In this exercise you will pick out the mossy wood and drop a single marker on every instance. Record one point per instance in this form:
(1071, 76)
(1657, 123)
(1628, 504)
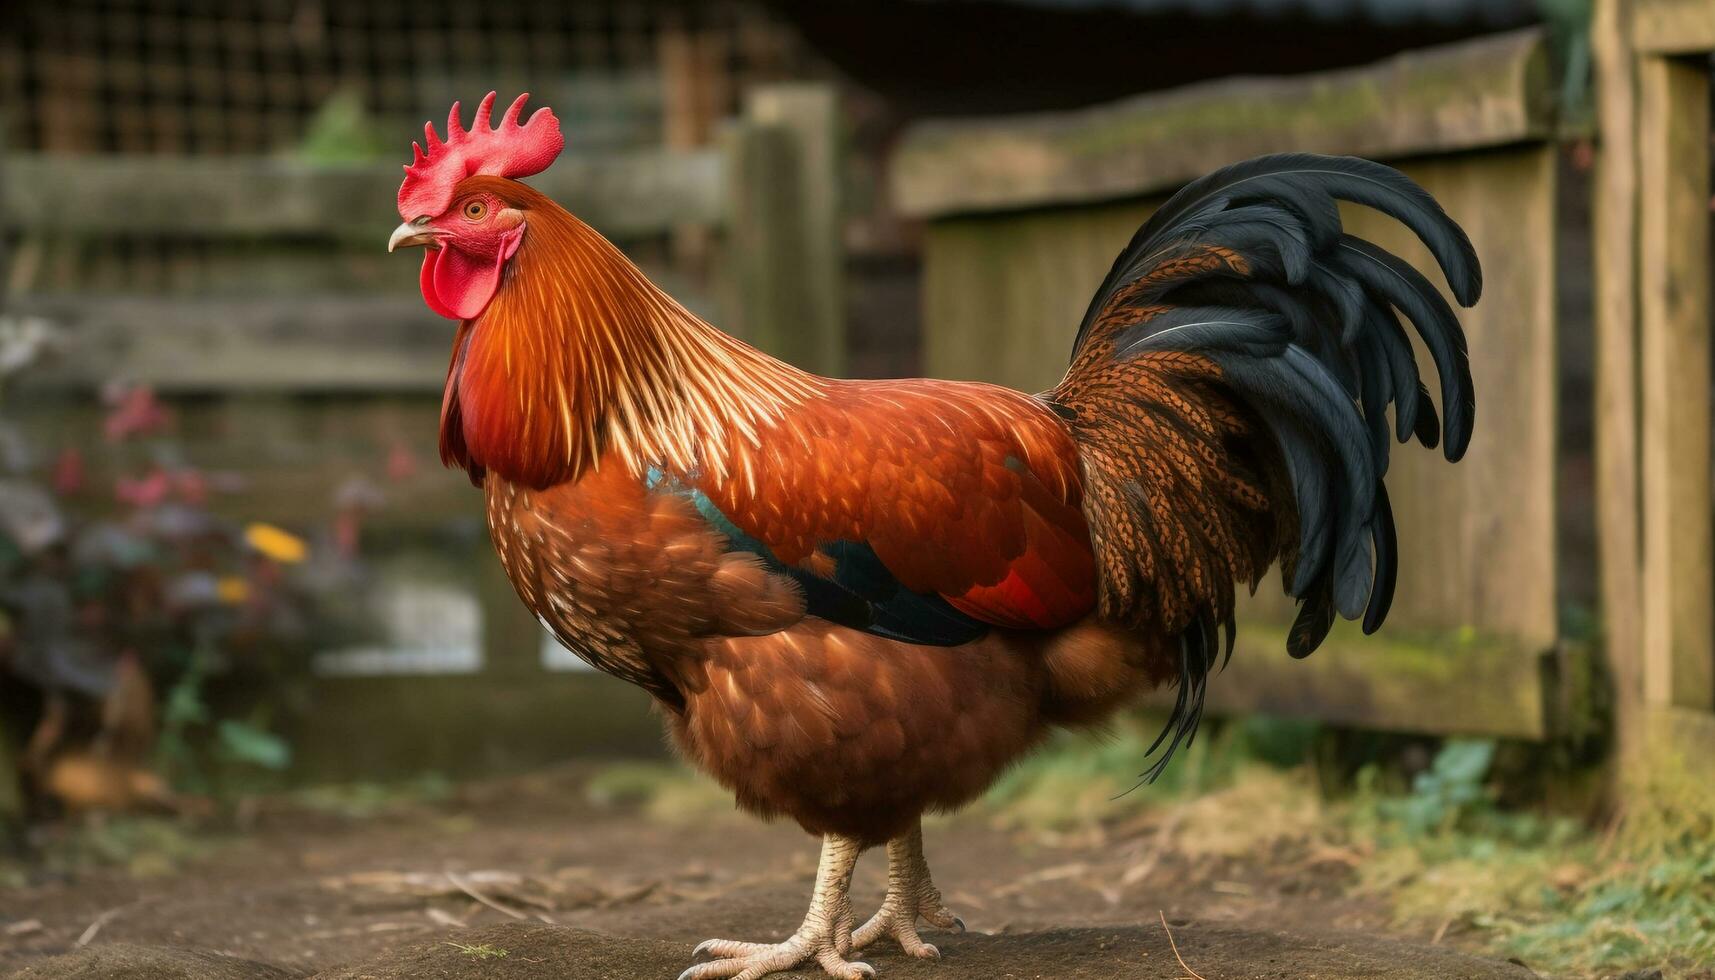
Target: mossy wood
(1478, 94)
(1003, 290)
(1667, 763)
(1442, 683)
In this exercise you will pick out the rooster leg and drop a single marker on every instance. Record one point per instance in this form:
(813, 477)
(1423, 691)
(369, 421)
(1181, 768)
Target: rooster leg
(910, 894)
(825, 936)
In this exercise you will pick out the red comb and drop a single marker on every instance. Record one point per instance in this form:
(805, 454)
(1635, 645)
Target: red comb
(510, 150)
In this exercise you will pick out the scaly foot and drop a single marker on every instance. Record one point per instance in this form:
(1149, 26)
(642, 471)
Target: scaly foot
(911, 894)
(748, 961)
(825, 936)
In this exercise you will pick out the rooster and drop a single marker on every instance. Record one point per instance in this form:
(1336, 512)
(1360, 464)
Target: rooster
(858, 601)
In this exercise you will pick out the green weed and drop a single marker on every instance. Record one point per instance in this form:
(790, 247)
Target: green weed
(482, 951)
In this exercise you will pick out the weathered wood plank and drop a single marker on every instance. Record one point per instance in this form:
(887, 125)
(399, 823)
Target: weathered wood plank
(373, 340)
(379, 727)
(1673, 256)
(1477, 538)
(1672, 26)
(622, 194)
(1441, 683)
(310, 343)
(1472, 95)
(1003, 294)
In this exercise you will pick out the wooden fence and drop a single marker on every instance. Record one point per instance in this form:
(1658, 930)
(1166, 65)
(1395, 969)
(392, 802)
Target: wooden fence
(257, 293)
(298, 294)
(1653, 311)
(1025, 214)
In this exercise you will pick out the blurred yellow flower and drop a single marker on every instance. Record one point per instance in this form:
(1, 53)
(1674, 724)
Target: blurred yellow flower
(232, 590)
(278, 544)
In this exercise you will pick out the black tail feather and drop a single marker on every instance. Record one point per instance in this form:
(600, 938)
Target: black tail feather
(1250, 267)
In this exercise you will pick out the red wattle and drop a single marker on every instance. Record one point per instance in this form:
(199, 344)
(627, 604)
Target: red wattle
(458, 284)
(426, 282)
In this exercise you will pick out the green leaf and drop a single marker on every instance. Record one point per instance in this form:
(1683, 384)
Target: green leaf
(247, 743)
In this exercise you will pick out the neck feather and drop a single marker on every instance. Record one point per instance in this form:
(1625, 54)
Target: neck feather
(579, 355)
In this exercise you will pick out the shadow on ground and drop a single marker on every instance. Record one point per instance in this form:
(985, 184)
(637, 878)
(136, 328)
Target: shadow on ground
(519, 951)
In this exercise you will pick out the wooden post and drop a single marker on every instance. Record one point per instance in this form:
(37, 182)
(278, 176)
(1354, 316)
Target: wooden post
(5, 266)
(11, 788)
(785, 225)
(1673, 260)
(1614, 218)
(693, 96)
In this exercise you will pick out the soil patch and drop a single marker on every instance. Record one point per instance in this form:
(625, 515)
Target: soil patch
(521, 951)
(554, 886)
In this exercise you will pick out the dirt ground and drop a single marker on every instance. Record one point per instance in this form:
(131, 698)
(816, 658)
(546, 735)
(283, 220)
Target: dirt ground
(523, 878)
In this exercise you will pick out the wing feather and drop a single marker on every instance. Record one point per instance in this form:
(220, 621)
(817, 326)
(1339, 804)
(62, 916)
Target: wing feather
(945, 508)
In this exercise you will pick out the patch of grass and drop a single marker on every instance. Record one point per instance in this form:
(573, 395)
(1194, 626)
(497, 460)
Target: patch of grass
(1437, 847)
(1543, 888)
(144, 846)
(1551, 893)
(662, 791)
(481, 951)
(359, 801)
(1083, 778)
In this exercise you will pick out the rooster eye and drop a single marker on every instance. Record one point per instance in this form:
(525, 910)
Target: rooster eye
(475, 210)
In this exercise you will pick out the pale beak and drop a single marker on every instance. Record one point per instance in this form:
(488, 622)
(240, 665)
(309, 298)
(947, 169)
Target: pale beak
(415, 232)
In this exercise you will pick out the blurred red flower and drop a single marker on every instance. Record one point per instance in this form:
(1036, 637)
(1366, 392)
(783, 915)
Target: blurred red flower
(68, 472)
(132, 411)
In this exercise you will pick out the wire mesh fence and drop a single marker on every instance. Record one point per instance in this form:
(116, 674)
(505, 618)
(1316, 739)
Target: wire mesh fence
(325, 82)
(268, 76)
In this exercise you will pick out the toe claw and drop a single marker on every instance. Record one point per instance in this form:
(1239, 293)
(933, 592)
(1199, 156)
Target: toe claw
(702, 948)
(958, 923)
(863, 968)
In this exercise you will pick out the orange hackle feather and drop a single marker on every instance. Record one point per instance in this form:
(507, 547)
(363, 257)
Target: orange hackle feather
(580, 353)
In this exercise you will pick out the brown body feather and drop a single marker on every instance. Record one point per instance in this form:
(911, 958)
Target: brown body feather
(841, 730)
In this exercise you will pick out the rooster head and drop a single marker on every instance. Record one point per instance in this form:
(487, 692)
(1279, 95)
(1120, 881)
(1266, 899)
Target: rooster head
(464, 218)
